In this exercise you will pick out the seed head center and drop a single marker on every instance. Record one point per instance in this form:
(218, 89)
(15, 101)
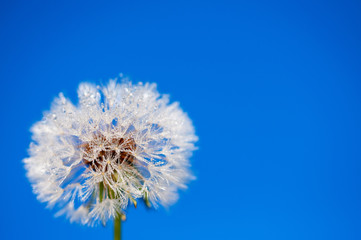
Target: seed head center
(103, 151)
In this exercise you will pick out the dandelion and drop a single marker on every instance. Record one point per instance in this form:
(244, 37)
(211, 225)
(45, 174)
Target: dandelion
(122, 144)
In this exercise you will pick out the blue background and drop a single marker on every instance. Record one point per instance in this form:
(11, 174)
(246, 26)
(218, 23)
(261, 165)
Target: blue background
(273, 89)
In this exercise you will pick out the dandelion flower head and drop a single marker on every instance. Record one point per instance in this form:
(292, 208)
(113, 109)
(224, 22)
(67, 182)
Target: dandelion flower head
(122, 143)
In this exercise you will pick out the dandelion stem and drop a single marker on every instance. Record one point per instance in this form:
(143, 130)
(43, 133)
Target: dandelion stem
(101, 190)
(117, 227)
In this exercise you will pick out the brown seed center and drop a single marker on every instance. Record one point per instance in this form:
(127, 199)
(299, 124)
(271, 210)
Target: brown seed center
(118, 150)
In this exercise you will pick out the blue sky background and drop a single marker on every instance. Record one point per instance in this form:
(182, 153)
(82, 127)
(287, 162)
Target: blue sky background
(273, 88)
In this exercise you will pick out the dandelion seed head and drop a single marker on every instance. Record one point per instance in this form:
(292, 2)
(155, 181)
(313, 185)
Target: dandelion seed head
(120, 144)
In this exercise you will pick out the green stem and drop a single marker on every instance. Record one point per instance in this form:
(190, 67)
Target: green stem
(101, 190)
(118, 227)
